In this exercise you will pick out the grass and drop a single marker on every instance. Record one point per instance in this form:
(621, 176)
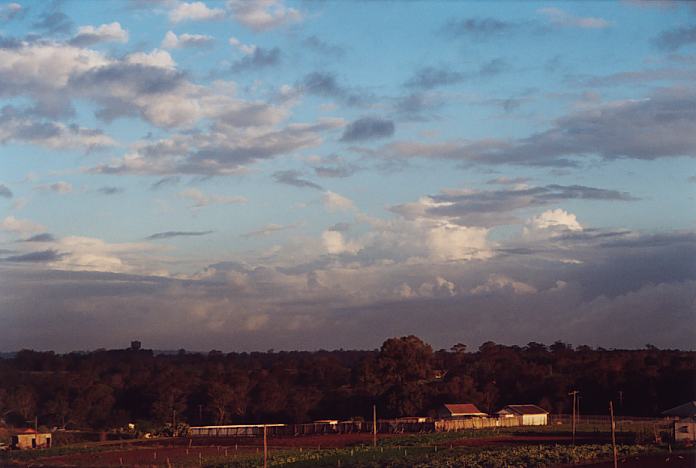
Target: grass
(425, 456)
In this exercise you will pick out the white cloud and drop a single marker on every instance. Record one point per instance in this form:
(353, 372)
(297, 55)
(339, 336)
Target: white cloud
(20, 226)
(200, 199)
(335, 202)
(195, 11)
(155, 58)
(246, 49)
(88, 35)
(172, 41)
(562, 18)
(335, 243)
(449, 241)
(263, 14)
(550, 223)
(498, 282)
(58, 187)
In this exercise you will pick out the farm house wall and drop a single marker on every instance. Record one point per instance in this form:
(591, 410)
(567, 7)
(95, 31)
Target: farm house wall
(534, 420)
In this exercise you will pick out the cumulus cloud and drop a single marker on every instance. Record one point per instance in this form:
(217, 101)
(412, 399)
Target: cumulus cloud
(17, 126)
(172, 41)
(335, 243)
(495, 207)
(335, 202)
(551, 223)
(368, 128)
(261, 15)
(195, 11)
(258, 58)
(89, 35)
(497, 282)
(20, 226)
(561, 18)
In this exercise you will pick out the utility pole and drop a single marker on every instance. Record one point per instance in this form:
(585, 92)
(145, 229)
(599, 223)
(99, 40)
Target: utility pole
(374, 425)
(613, 434)
(265, 446)
(200, 414)
(173, 423)
(575, 399)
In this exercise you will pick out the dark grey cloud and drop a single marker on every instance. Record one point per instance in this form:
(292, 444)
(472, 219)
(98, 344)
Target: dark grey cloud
(477, 28)
(674, 39)
(110, 190)
(345, 170)
(368, 128)
(322, 47)
(691, 179)
(201, 153)
(295, 179)
(493, 67)
(165, 181)
(493, 207)
(142, 79)
(43, 237)
(625, 130)
(654, 240)
(170, 234)
(5, 192)
(418, 106)
(43, 256)
(54, 22)
(259, 59)
(432, 77)
(325, 84)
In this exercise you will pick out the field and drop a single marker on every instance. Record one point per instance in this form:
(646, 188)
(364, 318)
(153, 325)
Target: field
(540, 446)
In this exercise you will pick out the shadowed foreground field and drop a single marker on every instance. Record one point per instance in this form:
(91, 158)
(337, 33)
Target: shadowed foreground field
(513, 449)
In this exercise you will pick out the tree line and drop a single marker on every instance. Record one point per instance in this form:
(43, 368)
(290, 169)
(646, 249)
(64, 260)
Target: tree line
(405, 377)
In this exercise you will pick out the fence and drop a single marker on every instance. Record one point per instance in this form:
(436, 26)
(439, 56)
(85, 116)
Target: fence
(447, 425)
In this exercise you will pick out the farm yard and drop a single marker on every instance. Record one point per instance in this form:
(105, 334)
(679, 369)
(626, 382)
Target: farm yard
(529, 446)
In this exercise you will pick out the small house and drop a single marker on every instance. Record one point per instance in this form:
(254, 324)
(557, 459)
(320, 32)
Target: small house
(460, 411)
(531, 415)
(685, 411)
(30, 439)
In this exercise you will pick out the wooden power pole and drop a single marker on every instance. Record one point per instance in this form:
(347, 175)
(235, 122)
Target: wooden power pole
(613, 434)
(374, 425)
(575, 399)
(265, 446)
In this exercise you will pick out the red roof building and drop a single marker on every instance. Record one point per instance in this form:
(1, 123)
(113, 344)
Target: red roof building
(460, 410)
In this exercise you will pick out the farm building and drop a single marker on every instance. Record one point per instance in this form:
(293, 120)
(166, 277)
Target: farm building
(460, 411)
(236, 430)
(531, 415)
(687, 410)
(30, 439)
(684, 431)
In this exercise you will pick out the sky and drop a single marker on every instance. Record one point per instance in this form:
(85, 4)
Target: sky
(248, 175)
